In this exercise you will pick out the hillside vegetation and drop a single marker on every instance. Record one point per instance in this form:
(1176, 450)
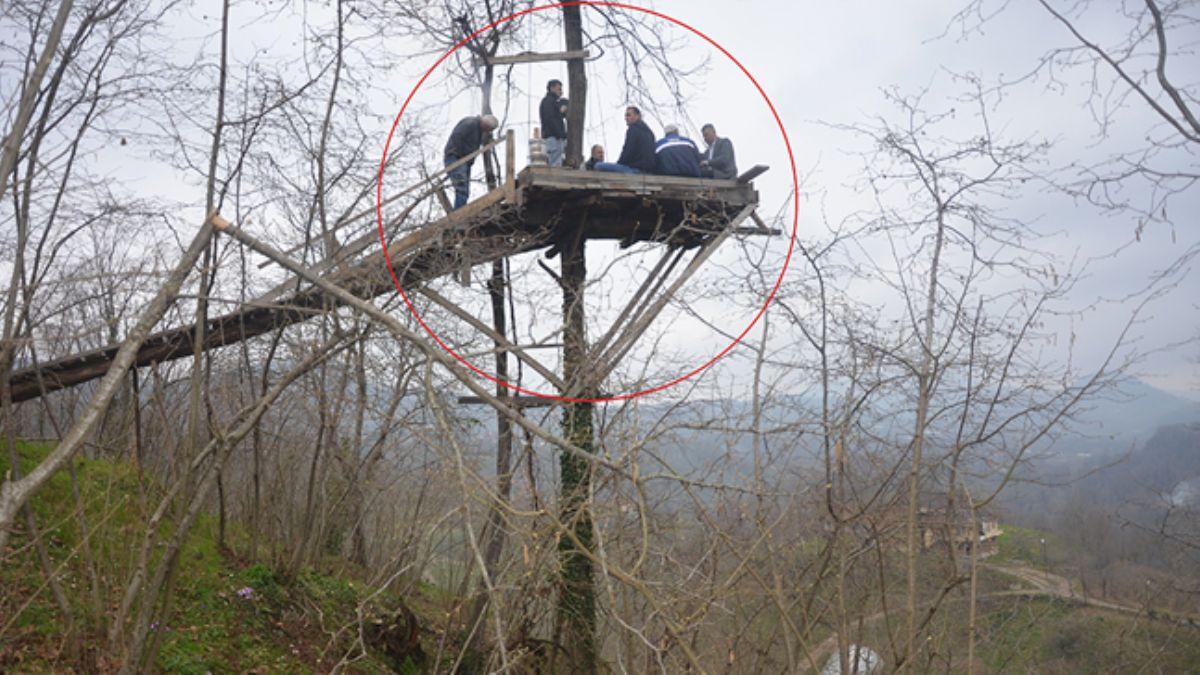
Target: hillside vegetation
(229, 615)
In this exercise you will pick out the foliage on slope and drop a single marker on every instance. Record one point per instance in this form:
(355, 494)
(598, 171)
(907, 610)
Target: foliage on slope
(228, 615)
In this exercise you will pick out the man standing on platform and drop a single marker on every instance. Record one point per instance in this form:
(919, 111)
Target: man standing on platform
(718, 161)
(553, 113)
(637, 155)
(468, 135)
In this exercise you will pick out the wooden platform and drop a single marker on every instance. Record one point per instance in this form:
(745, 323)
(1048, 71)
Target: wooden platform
(532, 211)
(630, 208)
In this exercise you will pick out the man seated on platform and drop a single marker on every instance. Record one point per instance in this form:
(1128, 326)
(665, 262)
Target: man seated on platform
(470, 133)
(596, 158)
(676, 155)
(717, 161)
(637, 155)
(553, 114)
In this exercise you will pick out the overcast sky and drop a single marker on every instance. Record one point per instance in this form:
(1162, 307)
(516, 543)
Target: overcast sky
(821, 64)
(828, 63)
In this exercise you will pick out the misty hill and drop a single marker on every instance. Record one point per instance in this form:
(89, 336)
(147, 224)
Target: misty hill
(1136, 410)
(705, 433)
(1166, 466)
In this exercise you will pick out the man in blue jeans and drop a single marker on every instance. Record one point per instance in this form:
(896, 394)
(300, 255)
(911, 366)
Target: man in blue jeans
(468, 135)
(637, 155)
(553, 116)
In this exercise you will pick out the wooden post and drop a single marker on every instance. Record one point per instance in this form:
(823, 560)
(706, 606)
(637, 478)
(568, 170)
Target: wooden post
(510, 165)
(577, 82)
(493, 535)
(530, 57)
(138, 459)
(496, 286)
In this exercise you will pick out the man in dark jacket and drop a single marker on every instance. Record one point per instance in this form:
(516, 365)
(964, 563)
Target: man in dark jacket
(676, 155)
(718, 161)
(553, 113)
(637, 155)
(468, 135)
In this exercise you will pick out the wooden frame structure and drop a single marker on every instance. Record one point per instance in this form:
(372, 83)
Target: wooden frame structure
(537, 208)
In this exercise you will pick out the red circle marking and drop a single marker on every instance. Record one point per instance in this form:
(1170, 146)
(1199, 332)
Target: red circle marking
(619, 397)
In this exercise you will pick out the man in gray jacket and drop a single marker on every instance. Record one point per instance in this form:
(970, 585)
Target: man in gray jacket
(717, 159)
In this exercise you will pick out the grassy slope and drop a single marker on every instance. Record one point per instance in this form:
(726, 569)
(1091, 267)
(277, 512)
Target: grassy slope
(1050, 635)
(1019, 634)
(1046, 635)
(1024, 546)
(283, 627)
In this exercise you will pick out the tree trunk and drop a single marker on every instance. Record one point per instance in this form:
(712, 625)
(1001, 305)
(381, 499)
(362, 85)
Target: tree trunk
(576, 619)
(577, 602)
(577, 83)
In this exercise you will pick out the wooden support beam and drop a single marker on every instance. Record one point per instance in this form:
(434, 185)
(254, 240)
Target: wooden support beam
(764, 231)
(534, 57)
(510, 165)
(443, 199)
(761, 229)
(754, 172)
(605, 363)
(497, 337)
(652, 283)
(514, 401)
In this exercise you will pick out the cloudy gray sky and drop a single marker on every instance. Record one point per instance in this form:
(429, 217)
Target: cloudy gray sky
(822, 64)
(828, 64)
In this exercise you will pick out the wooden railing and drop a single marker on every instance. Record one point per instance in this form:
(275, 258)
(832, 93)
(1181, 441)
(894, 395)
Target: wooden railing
(433, 183)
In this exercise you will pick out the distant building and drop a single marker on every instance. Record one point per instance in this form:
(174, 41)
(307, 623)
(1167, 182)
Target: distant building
(936, 527)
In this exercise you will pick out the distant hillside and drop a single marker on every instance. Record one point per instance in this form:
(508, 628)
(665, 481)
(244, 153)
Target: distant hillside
(1135, 410)
(701, 434)
(1168, 461)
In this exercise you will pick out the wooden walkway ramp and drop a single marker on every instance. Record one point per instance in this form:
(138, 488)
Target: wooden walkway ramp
(530, 211)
